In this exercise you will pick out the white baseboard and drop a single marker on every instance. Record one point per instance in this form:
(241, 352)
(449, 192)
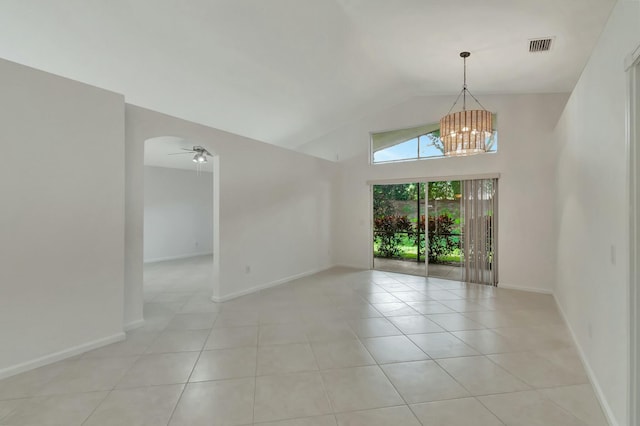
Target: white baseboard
(134, 324)
(268, 285)
(181, 256)
(529, 289)
(61, 355)
(606, 408)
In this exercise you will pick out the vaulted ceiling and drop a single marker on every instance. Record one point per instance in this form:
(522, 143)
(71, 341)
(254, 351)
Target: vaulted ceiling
(288, 71)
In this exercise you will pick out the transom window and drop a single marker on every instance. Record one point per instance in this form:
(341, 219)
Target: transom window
(414, 144)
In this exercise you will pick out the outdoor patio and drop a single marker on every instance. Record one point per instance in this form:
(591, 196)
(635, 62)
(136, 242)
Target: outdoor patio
(414, 268)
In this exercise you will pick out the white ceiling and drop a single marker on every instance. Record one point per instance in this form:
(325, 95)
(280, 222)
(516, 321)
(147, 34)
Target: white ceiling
(288, 71)
(169, 151)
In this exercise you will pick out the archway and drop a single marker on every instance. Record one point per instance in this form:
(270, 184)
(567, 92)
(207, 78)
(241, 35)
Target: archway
(180, 223)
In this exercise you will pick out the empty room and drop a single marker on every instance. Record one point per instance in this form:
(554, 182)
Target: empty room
(319, 213)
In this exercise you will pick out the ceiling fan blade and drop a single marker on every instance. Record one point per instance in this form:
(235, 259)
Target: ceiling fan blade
(180, 153)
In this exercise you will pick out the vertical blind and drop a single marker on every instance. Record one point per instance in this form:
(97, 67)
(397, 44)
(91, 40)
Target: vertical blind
(480, 231)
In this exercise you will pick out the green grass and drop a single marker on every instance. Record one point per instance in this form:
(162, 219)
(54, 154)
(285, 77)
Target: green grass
(410, 251)
(450, 258)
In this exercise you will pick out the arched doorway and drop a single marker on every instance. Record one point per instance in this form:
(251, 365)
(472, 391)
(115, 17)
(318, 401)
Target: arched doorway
(180, 222)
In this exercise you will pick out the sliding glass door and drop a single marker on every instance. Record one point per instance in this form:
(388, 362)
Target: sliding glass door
(398, 228)
(443, 229)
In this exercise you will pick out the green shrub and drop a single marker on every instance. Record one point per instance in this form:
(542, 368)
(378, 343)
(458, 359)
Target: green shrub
(393, 232)
(442, 242)
(389, 232)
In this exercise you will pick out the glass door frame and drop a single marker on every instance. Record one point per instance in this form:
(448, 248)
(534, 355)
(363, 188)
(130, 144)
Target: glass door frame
(424, 207)
(420, 180)
(632, 68)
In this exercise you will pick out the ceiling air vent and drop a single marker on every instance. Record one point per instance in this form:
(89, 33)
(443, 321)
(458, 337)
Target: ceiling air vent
(540, 44)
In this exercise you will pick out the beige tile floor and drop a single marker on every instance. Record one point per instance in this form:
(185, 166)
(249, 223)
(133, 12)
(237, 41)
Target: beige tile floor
(342, 347)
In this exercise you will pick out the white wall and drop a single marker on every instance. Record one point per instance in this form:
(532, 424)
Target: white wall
(178, 213)
(61, 217)
(592, 211)
(525, 161)
(275, 207)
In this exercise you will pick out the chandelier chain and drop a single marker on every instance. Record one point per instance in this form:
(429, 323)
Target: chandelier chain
(464, 85)
(464, 90)
(455, 102)
(475, 99)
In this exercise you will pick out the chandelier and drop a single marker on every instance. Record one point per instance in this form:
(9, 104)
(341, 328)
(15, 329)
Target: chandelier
(465, 132)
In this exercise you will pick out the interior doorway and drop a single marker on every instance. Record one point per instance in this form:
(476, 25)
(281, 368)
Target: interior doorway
(180, 211)
(441, 228)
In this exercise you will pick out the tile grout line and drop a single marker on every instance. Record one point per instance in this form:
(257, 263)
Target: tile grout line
(558, 405)
(406, 404)
(96, 407)
(488, 409)
(122, 378)
(443, 369)
(255, 378)
(190, 374)
(324, 386)
(436, 363)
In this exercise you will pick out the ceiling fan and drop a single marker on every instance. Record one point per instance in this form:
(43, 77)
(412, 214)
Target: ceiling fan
(200, 156)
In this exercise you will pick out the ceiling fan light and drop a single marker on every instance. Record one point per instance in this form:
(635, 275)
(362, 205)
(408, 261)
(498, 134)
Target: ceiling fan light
(200, 157)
